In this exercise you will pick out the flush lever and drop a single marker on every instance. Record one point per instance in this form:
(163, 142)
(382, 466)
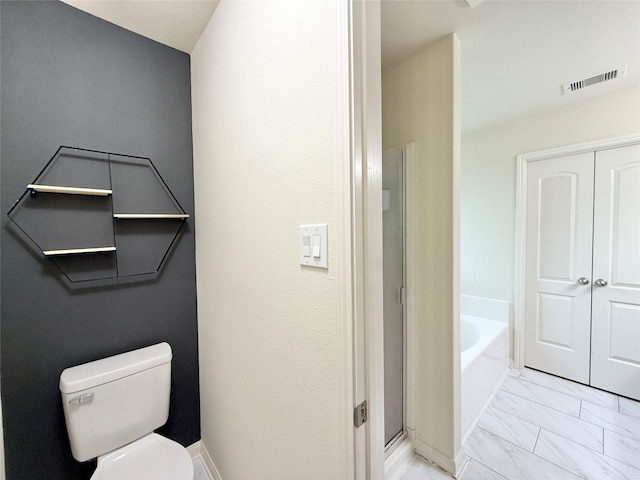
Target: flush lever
(82, 399)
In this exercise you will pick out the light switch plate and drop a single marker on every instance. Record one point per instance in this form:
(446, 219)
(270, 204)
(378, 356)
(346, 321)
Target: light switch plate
(309, 260)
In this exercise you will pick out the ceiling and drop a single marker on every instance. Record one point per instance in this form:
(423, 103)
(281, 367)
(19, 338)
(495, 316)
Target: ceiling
(177, 23)
(516, 54)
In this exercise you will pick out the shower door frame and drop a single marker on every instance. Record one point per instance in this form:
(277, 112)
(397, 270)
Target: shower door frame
(399, 450)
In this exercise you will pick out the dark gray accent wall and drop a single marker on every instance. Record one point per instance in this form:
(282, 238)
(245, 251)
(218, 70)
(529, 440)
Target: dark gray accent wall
(68, 78)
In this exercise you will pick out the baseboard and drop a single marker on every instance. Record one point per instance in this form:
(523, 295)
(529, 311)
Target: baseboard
(194, 449)
(198, 450)
(396, 464)
(461, 463)
(435, 456)
(450, 465)
(208, 462)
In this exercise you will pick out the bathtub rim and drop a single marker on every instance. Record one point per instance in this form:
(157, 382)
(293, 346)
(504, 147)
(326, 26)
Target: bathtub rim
(489, 331)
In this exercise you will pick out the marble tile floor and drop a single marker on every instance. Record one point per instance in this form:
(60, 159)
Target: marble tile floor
(200, 472)
(543, 427)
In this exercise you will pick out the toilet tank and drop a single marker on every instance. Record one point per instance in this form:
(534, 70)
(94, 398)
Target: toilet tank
(116, 400)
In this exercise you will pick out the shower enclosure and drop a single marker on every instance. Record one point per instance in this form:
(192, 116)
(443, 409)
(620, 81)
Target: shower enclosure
(393, 293)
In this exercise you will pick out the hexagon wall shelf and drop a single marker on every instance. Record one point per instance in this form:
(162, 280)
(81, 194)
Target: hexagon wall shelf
(100, 215)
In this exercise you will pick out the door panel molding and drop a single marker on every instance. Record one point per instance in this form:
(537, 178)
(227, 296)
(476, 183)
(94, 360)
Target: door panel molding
(522, 160)
(551, 191)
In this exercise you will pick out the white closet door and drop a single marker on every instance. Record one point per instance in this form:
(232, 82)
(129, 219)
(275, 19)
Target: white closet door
(615, 361)
(558, 263)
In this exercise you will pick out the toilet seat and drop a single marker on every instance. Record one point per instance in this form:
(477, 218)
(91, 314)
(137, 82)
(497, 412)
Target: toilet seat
(152, 457)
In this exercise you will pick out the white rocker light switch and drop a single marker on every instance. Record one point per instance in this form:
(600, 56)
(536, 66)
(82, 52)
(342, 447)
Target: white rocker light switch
(313, 246)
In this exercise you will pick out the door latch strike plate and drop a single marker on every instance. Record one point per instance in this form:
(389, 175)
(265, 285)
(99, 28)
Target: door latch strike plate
(360, 414)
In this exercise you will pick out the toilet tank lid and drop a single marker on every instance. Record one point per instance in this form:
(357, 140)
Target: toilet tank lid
(105, 370)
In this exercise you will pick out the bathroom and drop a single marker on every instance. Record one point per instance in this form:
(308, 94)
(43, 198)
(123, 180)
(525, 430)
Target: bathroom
(504, 116)
(260, 373)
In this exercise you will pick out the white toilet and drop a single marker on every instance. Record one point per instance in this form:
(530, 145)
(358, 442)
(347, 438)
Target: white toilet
(111, 408)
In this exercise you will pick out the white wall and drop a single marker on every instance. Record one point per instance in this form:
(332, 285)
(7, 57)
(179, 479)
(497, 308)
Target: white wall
(420, 103)
(265, 80)
(489, 174)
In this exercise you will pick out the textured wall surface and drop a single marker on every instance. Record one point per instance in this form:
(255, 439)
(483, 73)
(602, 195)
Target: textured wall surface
(488, 180)
(419, 103)
(71, 79)
(265, 141)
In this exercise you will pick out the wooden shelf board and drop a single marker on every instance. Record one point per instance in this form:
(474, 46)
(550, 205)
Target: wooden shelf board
(72, 251)
(99, 192)
(150, 215)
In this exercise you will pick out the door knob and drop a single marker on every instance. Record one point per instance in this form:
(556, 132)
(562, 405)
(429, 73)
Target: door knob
(601, 282)
(583, 281)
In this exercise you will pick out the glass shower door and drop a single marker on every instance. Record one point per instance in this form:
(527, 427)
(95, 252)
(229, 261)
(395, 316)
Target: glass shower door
(393, 272)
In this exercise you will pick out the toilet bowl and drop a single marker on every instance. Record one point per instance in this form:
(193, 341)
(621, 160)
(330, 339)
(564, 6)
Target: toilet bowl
(112, 407)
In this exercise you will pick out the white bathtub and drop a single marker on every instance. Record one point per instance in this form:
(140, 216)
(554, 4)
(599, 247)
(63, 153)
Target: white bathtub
(484, 362)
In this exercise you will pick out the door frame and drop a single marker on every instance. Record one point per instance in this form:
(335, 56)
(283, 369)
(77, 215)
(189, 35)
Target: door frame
(365, 229)
(518, 338)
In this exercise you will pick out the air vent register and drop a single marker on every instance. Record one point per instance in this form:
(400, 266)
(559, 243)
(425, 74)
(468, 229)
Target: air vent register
(571, 87)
